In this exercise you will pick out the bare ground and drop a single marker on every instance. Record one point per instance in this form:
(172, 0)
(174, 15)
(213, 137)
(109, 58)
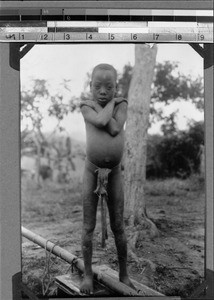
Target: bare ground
(172, 263)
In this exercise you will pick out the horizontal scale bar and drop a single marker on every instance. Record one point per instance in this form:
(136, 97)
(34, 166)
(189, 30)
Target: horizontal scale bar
(90, 14)
(113, 27)
(109, 12)
(153, 37)
(55, 26)
(125, 24)
(73, 17)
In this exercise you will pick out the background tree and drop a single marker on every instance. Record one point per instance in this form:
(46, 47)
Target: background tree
(33, 115)
(169, 85)
(124, 81)
(177, 155)
(136, 133)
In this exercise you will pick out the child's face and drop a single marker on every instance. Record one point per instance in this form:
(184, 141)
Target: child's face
(103, 86)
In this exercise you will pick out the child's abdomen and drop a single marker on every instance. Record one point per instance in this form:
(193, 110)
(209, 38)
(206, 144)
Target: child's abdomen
(104, 150)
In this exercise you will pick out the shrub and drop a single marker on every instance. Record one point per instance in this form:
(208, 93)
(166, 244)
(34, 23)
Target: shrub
(176, 155)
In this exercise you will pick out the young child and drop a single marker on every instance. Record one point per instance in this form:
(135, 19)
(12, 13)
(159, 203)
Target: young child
(104, 117)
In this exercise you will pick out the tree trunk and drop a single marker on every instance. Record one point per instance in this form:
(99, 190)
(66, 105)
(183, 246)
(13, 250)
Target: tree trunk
(136, 133)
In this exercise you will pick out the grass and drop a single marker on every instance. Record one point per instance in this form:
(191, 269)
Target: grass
(174, 186)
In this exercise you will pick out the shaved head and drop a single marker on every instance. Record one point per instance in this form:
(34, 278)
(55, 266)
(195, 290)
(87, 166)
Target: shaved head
(105, 67)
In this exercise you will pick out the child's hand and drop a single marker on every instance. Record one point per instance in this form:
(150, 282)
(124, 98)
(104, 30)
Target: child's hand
(119, 100)
(97, 107)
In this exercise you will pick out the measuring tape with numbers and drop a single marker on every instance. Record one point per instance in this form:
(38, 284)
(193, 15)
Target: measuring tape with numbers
(170, 26)
(169, 32)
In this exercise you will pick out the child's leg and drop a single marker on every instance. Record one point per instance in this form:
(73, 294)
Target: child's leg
(116, 208)
(89, 221)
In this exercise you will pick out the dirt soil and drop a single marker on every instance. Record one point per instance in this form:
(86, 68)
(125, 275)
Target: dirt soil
(171, 263)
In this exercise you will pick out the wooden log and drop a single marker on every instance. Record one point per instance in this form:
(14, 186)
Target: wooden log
(102, 274)
(142, 289)
(53, 248)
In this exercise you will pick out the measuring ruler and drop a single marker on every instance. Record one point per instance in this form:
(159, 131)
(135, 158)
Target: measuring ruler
(170, 26)
(170, 32)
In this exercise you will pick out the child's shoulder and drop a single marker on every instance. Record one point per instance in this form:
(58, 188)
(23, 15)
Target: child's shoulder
(121, 105)
(87, 103)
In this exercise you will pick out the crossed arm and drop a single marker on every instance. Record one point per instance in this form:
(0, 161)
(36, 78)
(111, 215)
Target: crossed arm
(105, 117)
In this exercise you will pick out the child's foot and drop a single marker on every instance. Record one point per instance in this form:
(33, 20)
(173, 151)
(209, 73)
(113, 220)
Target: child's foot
(127, 282)
(87, 285)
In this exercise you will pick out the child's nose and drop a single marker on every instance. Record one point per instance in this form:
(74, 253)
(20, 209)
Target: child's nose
(102, 91)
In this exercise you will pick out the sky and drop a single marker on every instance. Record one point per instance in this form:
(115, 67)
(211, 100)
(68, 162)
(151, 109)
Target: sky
(72, 62)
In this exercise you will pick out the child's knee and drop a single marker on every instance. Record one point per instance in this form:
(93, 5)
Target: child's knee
(117, 228)
(88, 229)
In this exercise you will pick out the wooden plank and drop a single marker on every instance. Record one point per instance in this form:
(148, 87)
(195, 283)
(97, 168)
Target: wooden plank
(70, 283)
(156, 4)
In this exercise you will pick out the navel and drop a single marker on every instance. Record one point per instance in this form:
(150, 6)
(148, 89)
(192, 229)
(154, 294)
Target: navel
(107, 160)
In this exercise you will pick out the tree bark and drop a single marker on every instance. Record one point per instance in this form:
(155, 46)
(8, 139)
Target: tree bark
(136, 133)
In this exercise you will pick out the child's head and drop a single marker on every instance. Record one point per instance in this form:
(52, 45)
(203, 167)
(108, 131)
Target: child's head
(103, 83)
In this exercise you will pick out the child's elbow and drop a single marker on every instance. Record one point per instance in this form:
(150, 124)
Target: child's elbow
(114, 131)
(101, 123)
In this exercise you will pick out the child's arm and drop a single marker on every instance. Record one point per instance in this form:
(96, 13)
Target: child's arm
(99, 117)
(116, 123)
(89, 103)
(96, 106)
